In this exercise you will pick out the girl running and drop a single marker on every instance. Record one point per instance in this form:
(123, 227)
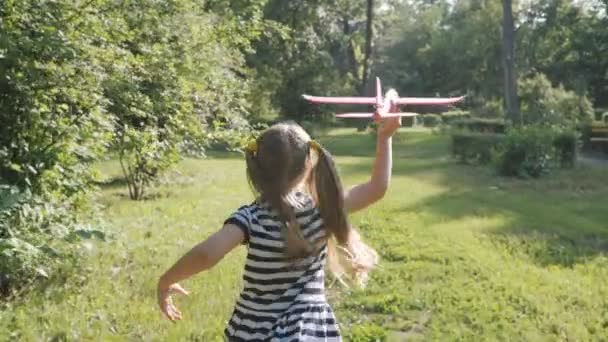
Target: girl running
(298, 220)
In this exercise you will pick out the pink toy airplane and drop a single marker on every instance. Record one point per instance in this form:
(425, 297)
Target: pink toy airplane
(387, 107)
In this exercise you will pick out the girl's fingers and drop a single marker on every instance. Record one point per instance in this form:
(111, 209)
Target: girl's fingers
(177, 288)
(167, 312)
(166, 304)
(174, 313)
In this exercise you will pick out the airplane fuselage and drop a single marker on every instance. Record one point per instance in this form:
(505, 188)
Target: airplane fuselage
(387, 105)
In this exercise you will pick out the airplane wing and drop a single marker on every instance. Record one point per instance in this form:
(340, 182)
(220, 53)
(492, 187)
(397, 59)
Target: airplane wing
(370, 115)
(340, 100)
(392, 115)
(355, 115)
(428, 100)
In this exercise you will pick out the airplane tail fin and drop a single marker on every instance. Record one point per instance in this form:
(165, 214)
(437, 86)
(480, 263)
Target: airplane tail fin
(355, 115)
(378, 92)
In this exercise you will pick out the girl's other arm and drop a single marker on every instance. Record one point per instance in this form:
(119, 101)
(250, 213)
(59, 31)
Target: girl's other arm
(201, 257)
(363, 195)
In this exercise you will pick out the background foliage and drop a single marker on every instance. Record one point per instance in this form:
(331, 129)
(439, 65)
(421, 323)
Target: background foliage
(147, 81)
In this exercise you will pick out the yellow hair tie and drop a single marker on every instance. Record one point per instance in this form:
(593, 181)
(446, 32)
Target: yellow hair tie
(252, 146)
(315, 145)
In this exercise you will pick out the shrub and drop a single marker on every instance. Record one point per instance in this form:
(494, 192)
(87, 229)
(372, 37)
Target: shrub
(492, 109)
(315, 128)
(431, 120)
(481, 125)
(53, 126)
(408, 121)
(525, 152)
(472, 147)
(605, 118)
(451, 116)
(38, 237)
(567, 143)
(232, 138)
(542, 104)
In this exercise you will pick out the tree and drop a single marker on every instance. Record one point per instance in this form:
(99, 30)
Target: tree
(369, 33)
(569, 43)
(510, 77)
(440, 47)
(172, 72)
(51, 102)
(319, 48)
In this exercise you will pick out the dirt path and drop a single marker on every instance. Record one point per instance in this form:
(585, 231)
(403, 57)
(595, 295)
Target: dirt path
(594, 159)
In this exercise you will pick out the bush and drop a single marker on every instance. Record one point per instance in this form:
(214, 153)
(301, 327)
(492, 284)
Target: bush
(471, 147)
(451, 116)
(567, 143)
(492, 109)
(480, 125)
(542, 104)
(38, 237)
(431, 120)
(232, 138)
(54, 124)
(526, 152)
(408, 121)
(598, 113)
(315, 128)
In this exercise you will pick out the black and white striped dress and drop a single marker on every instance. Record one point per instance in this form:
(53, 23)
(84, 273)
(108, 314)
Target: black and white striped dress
(280, 302)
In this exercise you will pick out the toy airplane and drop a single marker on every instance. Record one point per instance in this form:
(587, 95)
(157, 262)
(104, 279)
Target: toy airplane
(385, 107)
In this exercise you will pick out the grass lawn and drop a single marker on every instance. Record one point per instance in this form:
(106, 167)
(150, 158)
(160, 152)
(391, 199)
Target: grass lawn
(465, 255)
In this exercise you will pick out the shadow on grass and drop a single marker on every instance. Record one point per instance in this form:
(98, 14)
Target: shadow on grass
(120, 189)
(113, 183)
(558, 220)
(147, 197)
(406, 144)
(223, 154)
(549, 233)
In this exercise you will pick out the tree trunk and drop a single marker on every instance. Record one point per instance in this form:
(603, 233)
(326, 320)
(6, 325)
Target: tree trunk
(126, 172)
(510, 78)
(368, 45)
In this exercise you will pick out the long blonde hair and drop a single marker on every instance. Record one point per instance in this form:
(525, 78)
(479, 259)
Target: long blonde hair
(283, 155)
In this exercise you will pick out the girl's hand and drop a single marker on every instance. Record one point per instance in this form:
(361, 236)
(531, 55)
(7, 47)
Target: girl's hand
(387, 127)
(165, 301)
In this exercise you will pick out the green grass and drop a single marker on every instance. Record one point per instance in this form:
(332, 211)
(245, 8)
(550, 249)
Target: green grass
(465, 255)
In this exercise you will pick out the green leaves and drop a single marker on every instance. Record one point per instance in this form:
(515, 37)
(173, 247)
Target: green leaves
(533, 151)
(51, 97)
(542, 104)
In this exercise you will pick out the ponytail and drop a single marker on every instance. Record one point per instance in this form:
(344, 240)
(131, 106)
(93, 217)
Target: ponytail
(296, 246)
(329, 195)
(348, 255)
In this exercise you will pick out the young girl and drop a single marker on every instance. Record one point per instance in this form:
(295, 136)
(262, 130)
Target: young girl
(297, 220)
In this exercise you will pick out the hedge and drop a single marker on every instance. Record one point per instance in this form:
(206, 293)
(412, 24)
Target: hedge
(451, 116)
(473, 147)
(481, 125)
(431, 120)
(528, 151)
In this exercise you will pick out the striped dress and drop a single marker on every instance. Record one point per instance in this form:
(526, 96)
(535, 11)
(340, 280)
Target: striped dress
(281, 301)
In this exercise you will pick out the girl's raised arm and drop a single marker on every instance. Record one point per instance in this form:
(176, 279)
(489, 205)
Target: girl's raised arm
(363, 195)
(201, 257)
